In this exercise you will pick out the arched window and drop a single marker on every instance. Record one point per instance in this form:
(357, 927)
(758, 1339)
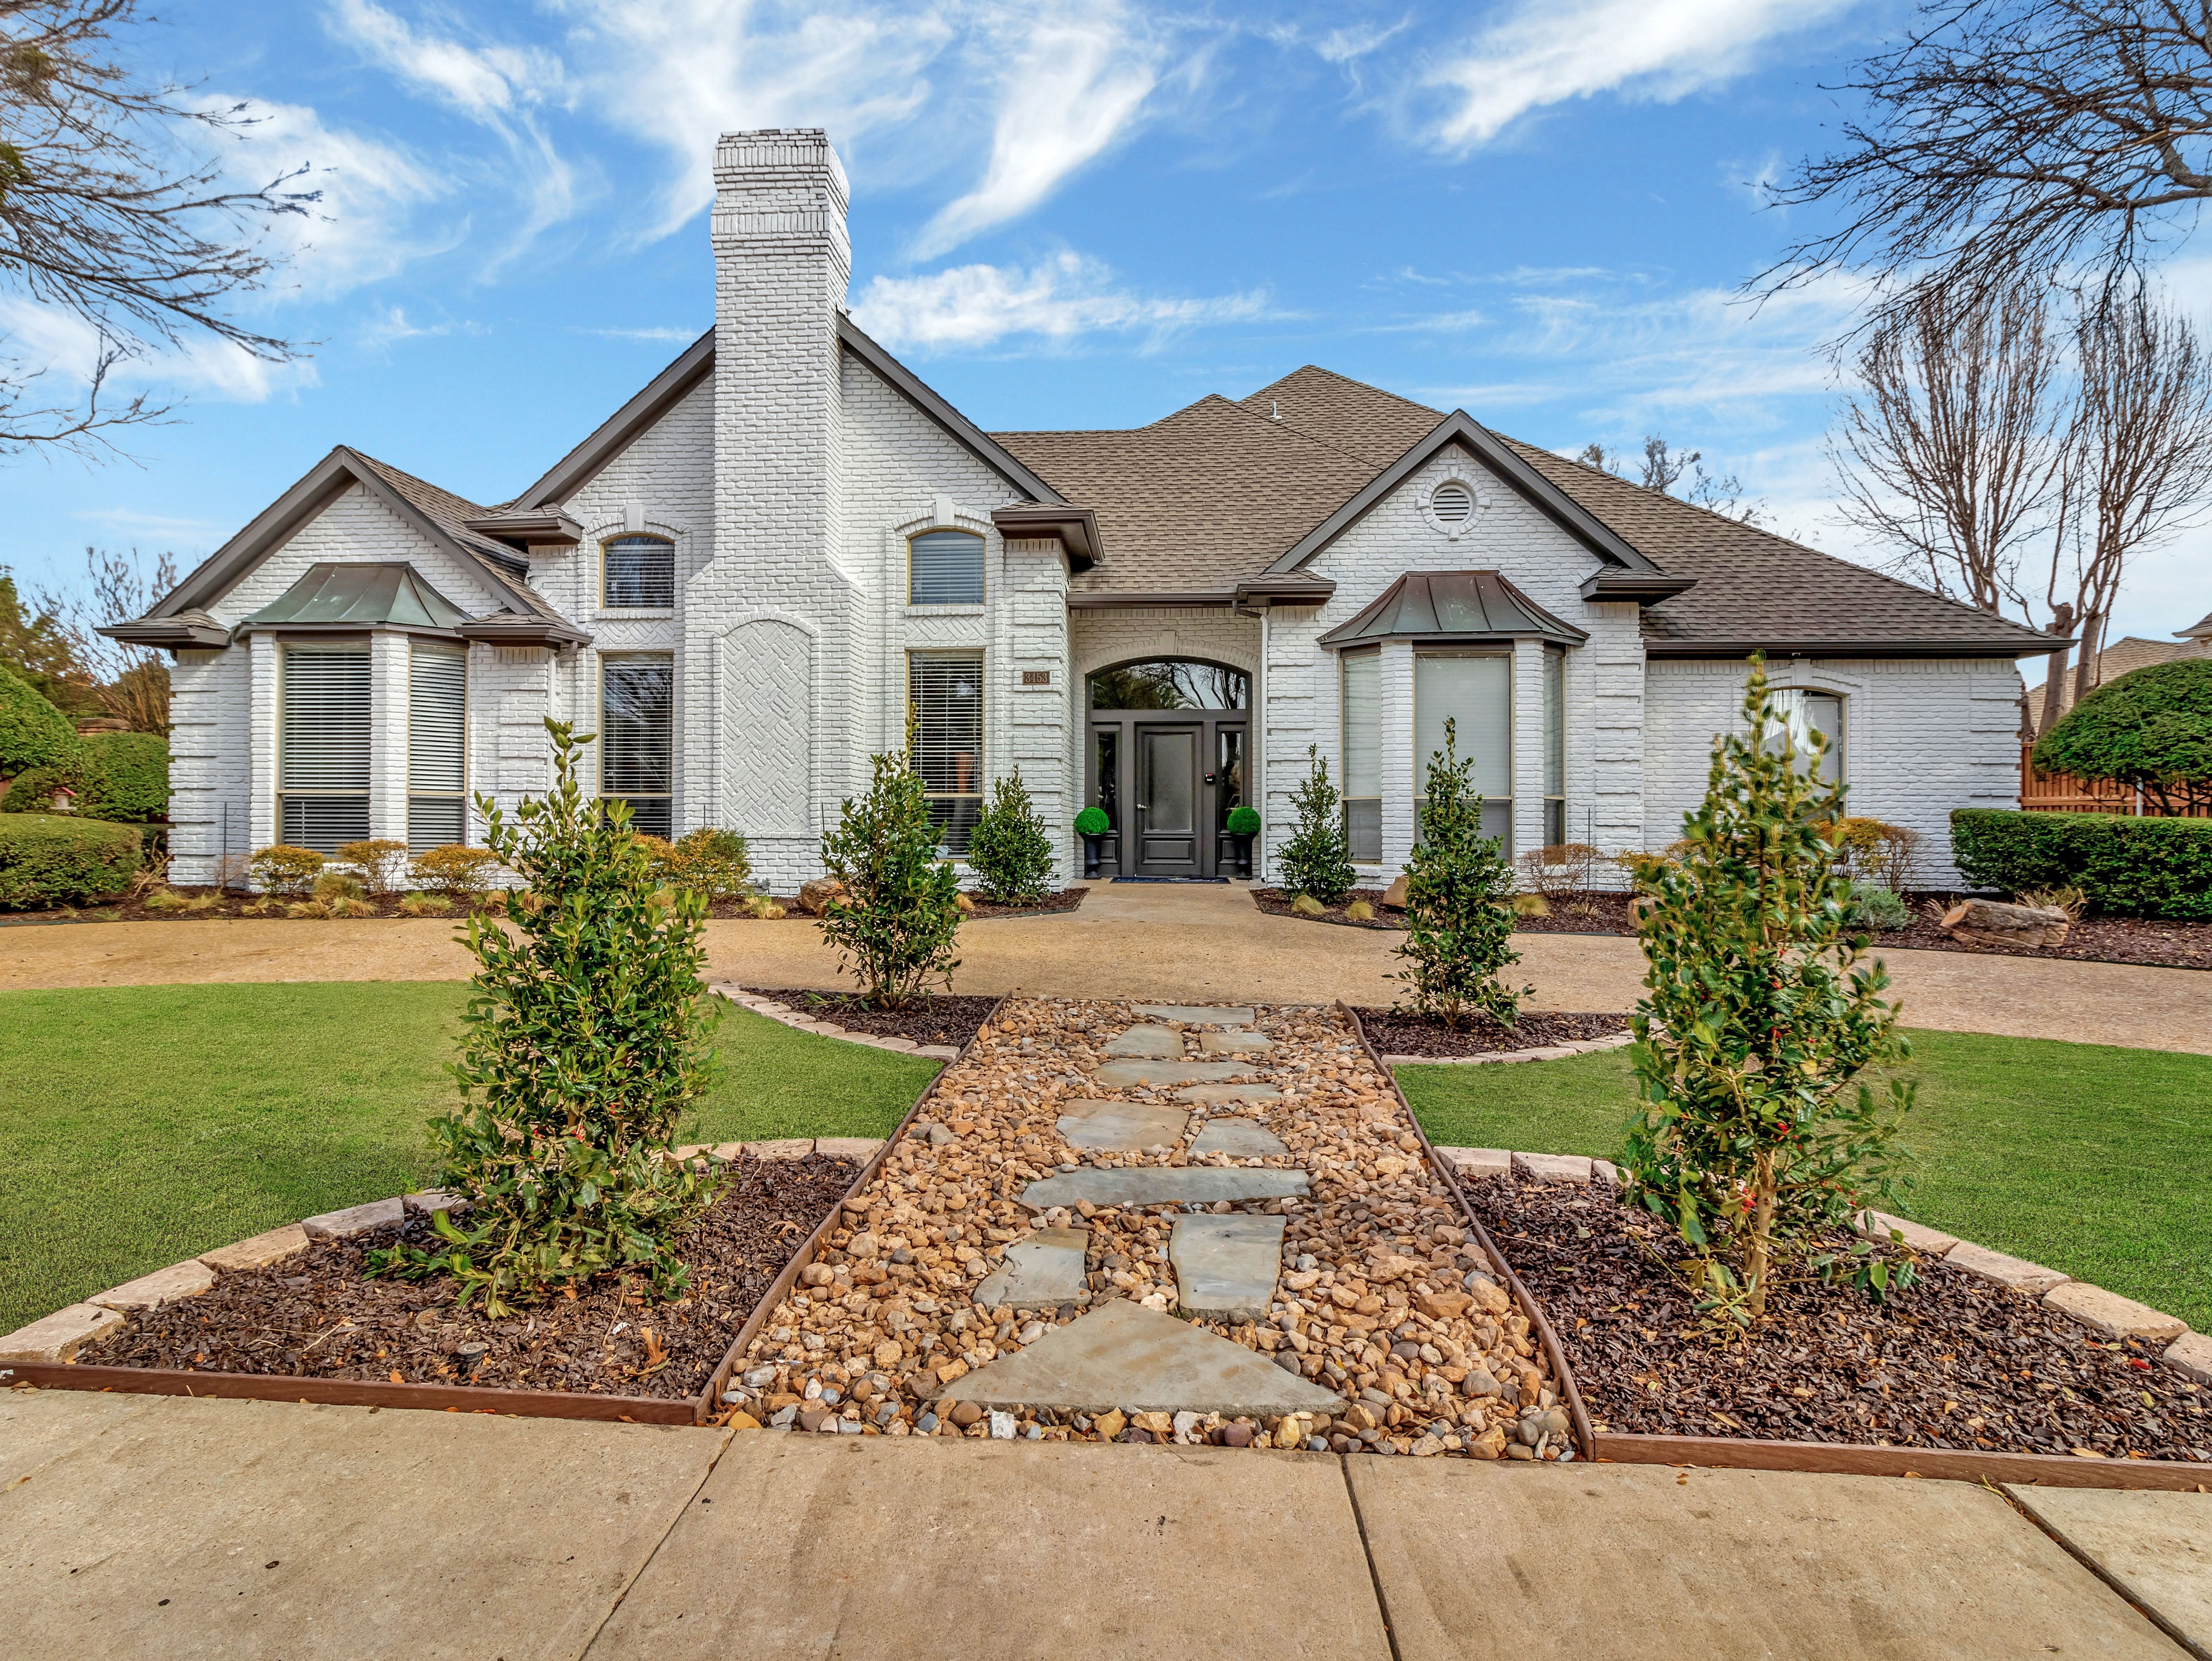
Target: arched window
(945, 567)
(1171, 684)
(638, 572)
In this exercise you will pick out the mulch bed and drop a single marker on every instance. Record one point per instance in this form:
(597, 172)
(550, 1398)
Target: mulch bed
(315, 1315)
(1276, 902)
(207, 903)
(1393, 1032)
(1956, 1362)
(930, 1017)
(1065, 900)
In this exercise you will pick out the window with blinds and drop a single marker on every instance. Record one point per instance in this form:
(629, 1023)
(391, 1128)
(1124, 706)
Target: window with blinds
(1363, 755)
(944, 714)
(945, 567)
(637, 726)
(1474, 692)
(322, 746)
(437, 746)
(638, 572)
(1555, 746)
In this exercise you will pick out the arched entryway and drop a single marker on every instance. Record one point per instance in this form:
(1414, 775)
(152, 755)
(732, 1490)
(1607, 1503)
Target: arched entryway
(1167, 757)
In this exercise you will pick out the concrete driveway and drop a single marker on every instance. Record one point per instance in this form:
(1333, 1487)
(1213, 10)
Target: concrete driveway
(133, 1526)
(1192, 942)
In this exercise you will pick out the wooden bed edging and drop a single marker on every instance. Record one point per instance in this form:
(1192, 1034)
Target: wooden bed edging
(708, 1401)
(2057, 1470)
(1585, 1436)
(466, 1398)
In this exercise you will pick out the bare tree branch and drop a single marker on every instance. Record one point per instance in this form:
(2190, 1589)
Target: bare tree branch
(134, 680)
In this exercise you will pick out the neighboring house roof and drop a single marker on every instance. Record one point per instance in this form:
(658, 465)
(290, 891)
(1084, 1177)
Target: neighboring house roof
(2199, 630)
(1452, 606)
(359, 594)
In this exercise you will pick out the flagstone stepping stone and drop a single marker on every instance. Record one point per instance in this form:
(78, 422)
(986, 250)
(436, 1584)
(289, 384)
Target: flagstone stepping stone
(1124, 1355)
(1122, 1127)
(1196, 1014)
(1233, 1043)
(1229, 1092)
(1162, 1185)
(1246, 1139)
(1146, 1041)
(1225, 1268)
(1168, 1072)
(1043, 1270)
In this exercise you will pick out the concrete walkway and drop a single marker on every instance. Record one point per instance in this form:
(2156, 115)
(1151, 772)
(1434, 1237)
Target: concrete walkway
(1199, 942)
(132, 1526)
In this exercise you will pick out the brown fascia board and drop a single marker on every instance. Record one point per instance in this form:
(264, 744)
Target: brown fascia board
(1076, 527)
(1109, 602)
(189, 630)
(1462, 429)
(576, 469)
(2041, 646)
(546, 526)
(514, 629)
(986, 449)
(1644, 587)
(1299, 590)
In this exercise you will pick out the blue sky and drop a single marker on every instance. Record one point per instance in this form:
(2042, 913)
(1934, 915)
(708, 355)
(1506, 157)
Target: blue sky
(1078, 216)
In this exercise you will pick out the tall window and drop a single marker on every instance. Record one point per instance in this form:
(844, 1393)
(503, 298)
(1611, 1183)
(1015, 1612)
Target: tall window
(945, 713)
(322, 746)
(1474, 691)
(1555, 745)
(945, 567)
(437, 746)
(1802, 713)
(1363, 755)
(637, 705)
(638, 572)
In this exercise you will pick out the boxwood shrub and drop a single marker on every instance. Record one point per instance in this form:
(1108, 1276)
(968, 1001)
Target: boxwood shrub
(2124, 866)
(130, 782)
(33, 732)
(59, 859)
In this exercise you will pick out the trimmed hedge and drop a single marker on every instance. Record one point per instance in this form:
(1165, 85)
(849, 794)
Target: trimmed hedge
(130, 777)
(33, 732)
(59, 859)
(2124, 866)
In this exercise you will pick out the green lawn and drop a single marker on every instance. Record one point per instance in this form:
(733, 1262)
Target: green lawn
(139, 1125)
(2092, 1160)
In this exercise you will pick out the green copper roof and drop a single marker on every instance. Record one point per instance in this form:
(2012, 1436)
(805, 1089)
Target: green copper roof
(362, 596)
(1452, 606)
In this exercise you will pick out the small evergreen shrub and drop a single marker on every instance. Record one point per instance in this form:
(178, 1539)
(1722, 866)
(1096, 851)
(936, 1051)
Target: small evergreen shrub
(1459, 903)
(59, 859)
(585, 1040)
(381, 862)
(1756, 1137)
(283, 869)
(716, 863)
(895, 922)
(2151, 729)
(453, 868)
(1873, 906)
(1243, 820)
(129, 776)
(1318, 859)
(2124, 866)
(1010, 851)
(1092, 822)
(32, 790)
(33, 732)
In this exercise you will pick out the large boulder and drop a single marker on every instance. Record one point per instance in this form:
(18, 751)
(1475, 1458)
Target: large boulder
(814, 896)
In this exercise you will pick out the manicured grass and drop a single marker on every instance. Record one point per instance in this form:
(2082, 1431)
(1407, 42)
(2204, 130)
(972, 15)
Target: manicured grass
(139, 1125)
(2086, 1158)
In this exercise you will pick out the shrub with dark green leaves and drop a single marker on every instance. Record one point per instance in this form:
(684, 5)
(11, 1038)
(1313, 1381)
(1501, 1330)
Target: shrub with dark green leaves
(584, 1039)
(2124, 866)
(129, 776)
(1459, 893)
(33, 732)
(1318, 859)
(716, 863)
(1010, 851)
(59, 859)
(2151, 729)
(1757, 1138)
(1243, 821)
(895, 923)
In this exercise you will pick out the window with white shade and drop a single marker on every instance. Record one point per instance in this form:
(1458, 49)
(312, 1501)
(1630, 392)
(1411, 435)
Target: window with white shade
(437, 746)
(945, 567)
(637, 724)
(1555, 746)
(1801, 713)
(638, 572)
(322, 746)
(1362, 762)
(944, 714)
(1475, 691)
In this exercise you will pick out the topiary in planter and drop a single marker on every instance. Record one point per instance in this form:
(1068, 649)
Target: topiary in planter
(1243, 821)
(1092, 822)
(1010, 851)
(59, 859)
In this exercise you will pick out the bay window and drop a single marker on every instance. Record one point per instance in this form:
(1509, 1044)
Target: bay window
(1555, 746)
(1475, 691)
(323, 745)
(1361, 765)
(437, 746)
(637, 707)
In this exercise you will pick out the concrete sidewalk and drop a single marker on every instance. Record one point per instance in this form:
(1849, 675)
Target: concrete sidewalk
(136, 1526)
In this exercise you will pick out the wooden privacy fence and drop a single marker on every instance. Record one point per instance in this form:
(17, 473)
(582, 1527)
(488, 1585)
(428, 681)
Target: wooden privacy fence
(2062, 792)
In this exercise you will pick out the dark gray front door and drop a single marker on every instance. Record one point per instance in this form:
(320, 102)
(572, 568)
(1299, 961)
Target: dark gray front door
(1168, 821)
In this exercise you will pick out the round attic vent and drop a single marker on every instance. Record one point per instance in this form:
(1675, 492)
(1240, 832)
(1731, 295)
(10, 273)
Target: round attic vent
(1452, 502)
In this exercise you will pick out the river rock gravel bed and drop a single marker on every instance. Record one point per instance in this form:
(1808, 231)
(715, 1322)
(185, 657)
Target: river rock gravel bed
(1957, 1362)
(1383, 1298)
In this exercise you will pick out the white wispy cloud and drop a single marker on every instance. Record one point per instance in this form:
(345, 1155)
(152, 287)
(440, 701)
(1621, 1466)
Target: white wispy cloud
(1057, 300)
(65, 349)
(1548, 52)
(686, 336)
(155, 528)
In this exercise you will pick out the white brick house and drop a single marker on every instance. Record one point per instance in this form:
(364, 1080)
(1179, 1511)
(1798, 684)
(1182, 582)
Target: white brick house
(786, 553)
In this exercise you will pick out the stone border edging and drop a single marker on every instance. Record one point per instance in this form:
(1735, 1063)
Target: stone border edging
(1549, 1052)
(786, 1015)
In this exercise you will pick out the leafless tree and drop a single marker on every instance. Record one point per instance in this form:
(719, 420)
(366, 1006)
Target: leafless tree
(2007, 138)
(99, 219)
(133, 681)
(1663, 467)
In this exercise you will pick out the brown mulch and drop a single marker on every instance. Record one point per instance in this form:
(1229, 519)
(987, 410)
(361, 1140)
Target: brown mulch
(315, 1315)
(1065, 900)
(1955, 1362)
(946, 1018)
(1393, 1032)
(1276, 902)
